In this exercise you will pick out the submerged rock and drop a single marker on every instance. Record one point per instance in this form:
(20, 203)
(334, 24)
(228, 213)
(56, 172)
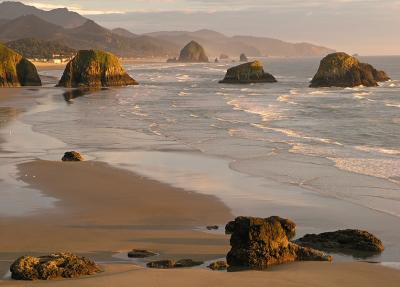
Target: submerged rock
(59, 265)
(342, 70)
(218, 265)
(15, 70)
(72, 156)
(342, 241)
(193, 53)
(258, 243)
(95, 69)
(140, 253)
(252, 72)
(243, 58)
(167, 264)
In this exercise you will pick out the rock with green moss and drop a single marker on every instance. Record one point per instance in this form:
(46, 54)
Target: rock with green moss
(342, 70)
(193, 53)
(15, 70)
(95, 69)
(252, 72)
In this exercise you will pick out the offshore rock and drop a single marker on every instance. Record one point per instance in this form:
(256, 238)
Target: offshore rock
(252, 72)
(95, 69)
(193, 53)
(72, 156)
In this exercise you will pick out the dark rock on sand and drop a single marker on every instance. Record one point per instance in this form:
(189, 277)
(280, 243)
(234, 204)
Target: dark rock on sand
(252, 72)
(258, 243)
(218, 265)
(95, 69)
(342, 241)
(243, 58)
(15, 70)
(342, 70)
(212, 227)
(140, 253)
(72, 156)
(60, 265)
(193, 53)
(167, 264)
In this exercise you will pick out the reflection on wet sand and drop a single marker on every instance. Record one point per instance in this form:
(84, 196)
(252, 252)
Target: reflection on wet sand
(7, 114)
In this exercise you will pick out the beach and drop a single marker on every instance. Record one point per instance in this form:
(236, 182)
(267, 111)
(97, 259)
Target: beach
(165, 160)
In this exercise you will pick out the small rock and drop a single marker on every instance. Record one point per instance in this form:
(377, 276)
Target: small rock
(72, 156)
(252, 72)
(140, 253)
(212, 227)
(59, 265)
(218, 265)
(342, 240)
(167, 264)
(243, 58)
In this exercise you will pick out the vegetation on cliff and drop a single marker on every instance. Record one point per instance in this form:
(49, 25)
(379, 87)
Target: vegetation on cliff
(32, 48)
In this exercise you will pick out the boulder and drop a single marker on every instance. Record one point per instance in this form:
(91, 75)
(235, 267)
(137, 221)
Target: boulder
(218, 265)
(212, 227)
(72, 156)
(140, 253)
(252, 72)
(258, 243)
(59, 265)
(95, 69)
(243, 58)
(167, 264)
(342, 70)
(15, 70)
(343, 241)
(193, 53)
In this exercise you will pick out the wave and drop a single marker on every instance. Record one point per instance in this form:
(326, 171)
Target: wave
(268, 113)
(183, 94)
(393, 105)
(286, 99)
(378, 150)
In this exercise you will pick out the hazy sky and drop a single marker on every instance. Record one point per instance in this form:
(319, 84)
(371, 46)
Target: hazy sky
(362, 26)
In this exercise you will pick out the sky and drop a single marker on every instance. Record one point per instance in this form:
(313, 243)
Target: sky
(367, 27)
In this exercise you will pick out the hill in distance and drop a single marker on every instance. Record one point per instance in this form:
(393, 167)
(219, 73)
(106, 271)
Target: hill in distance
(40, 49)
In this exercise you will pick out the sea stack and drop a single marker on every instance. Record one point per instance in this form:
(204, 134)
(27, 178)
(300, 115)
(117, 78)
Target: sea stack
(243, 58)
(15, 70)
(343, 70)
(252, 72)
(193, 53)
(95, 69)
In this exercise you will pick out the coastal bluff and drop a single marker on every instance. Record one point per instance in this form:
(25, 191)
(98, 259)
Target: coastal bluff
(95, 69)
(343, 70)
(15, 70)
(252, 72)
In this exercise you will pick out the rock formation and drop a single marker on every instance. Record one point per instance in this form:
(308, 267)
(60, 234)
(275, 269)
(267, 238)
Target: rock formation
(218, 265)
(252, 72)
(167, 264)
(243, 58)
(342, 70)
(193, 53)
(15, 70)
(95, 69)
(342, 241)
(258, 243)
(60, 265)
(139, 253)
(72, 156)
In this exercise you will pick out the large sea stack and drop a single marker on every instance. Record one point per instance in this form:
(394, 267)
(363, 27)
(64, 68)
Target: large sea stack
(95, 69)
(15, 70)
(258, 243)
(342, 70)
(252, 72)
(193, 53)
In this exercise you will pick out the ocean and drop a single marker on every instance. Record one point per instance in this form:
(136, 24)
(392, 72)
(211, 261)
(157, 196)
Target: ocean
(328, 158)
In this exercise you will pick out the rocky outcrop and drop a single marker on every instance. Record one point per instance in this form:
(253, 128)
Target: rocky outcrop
(218, 265)
(342, 70)
(140, 253)
(60, 265)
(16, 71)
(193, 53)
(243, 58)
(252, 72)
(258, 243)
(343, 241)
(72, 156)
(95, 69)
(167, 264)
